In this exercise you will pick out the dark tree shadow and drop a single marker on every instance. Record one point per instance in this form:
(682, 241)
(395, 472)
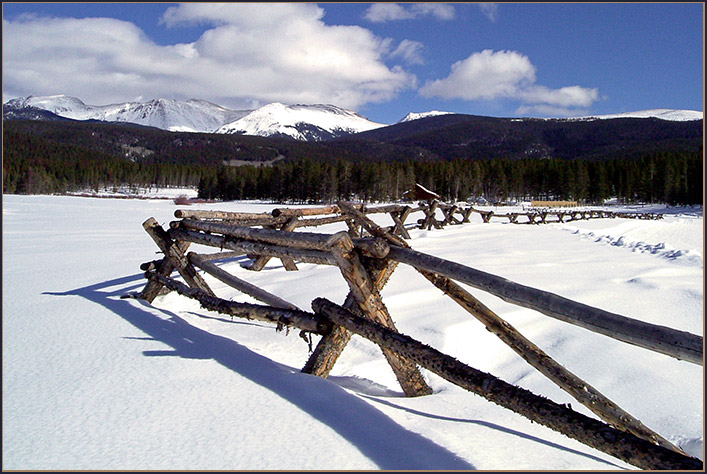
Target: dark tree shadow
(377, 436)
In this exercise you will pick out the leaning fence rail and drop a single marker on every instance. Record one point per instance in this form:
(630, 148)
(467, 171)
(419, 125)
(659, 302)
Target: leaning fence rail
(367, 255)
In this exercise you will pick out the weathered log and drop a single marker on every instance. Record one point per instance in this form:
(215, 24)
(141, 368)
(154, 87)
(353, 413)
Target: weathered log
(307, 211)
(369, 225)
(287, 262)
(387, 209)
(301, 240)
(399, 218)
(331, 345)
(466, 213)
(174, 252)
(254, 248)
(210, 257)
(221, 215)
(536, 357)
(679, 344)
(430, 219)
(317, 221)
(369, 301)
(589, 431)
(239, 284)
(282, 317)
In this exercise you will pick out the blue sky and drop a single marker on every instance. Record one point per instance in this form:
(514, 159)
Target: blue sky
(381, 60)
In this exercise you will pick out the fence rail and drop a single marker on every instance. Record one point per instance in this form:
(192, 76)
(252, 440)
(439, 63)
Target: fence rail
(367, 255)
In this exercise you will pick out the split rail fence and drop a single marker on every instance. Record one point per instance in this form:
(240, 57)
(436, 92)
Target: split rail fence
(367, 254)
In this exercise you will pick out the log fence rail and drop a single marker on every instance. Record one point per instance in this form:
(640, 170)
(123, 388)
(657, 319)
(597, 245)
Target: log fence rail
(367, 255)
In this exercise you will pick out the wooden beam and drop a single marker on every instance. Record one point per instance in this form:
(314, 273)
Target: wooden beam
(254, 248)
(174, 253)
(301, 240)
(370, 303)
(679, 344)
(331, 345)
(589, 431)
(282, 317)
(287, 262)
(546, 365)
(239, 284)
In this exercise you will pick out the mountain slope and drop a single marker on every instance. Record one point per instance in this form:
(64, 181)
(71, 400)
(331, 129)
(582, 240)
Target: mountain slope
(167, 114)
(455, 136)
(663, 114)
(302, 122)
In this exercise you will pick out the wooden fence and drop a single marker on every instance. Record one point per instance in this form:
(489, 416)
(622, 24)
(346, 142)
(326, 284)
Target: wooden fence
(367, 255)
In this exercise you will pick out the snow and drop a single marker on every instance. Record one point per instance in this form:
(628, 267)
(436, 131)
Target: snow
(95, 382)
(277, 118)
(196, 115)
(665, 114)
(415, 115)
(192, 115)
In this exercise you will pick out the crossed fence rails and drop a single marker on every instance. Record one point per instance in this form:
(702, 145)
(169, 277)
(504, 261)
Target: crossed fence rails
(367, 255)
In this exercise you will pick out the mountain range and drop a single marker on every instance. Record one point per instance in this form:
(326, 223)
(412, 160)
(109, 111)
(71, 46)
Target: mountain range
(317, 122)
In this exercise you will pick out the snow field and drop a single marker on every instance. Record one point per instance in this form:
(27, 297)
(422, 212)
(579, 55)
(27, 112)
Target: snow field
(93, 381)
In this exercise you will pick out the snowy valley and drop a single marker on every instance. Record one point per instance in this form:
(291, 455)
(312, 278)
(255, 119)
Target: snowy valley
(92, 381)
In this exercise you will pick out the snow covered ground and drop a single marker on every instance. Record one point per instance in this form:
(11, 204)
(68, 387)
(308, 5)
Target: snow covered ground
(95, 382)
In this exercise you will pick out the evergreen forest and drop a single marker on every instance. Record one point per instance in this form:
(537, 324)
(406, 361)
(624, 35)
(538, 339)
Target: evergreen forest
(37, 160)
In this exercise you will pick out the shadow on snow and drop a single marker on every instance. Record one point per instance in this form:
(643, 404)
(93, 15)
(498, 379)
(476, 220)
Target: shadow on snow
(374, 434)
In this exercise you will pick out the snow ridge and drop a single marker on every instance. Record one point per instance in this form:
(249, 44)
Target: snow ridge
(302, 122)
(193, 115)
(418, 115)
(664, 114)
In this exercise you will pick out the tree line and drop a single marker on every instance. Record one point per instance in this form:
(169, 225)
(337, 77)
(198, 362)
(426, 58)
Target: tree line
(32, 165)
(668, 178)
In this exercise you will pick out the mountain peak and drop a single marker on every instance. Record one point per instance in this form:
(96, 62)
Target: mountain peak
(300, 121)
(416, 116)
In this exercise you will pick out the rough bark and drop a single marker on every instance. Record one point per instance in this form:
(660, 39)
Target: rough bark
(254, 248)
(173, 252)
(287, 262)
(331, 345)
(369, 301)
(282, 317)
(300, 240)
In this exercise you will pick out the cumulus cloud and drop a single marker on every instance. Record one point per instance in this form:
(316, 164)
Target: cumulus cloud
(249, 53)
(382, 12)
(490, 75)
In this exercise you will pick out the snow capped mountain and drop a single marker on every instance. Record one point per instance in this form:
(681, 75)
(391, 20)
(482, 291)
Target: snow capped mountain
(415, 116)
(184, 116)
(664, 114)
(178, 116)
(302, 122)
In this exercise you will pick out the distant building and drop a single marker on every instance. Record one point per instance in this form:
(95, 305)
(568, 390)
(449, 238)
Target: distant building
(420, 193)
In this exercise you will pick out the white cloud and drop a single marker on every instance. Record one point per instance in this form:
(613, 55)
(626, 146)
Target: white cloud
(381, 12)
(249, 53)
(490, 10)
(409, 51)
(490, 75)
